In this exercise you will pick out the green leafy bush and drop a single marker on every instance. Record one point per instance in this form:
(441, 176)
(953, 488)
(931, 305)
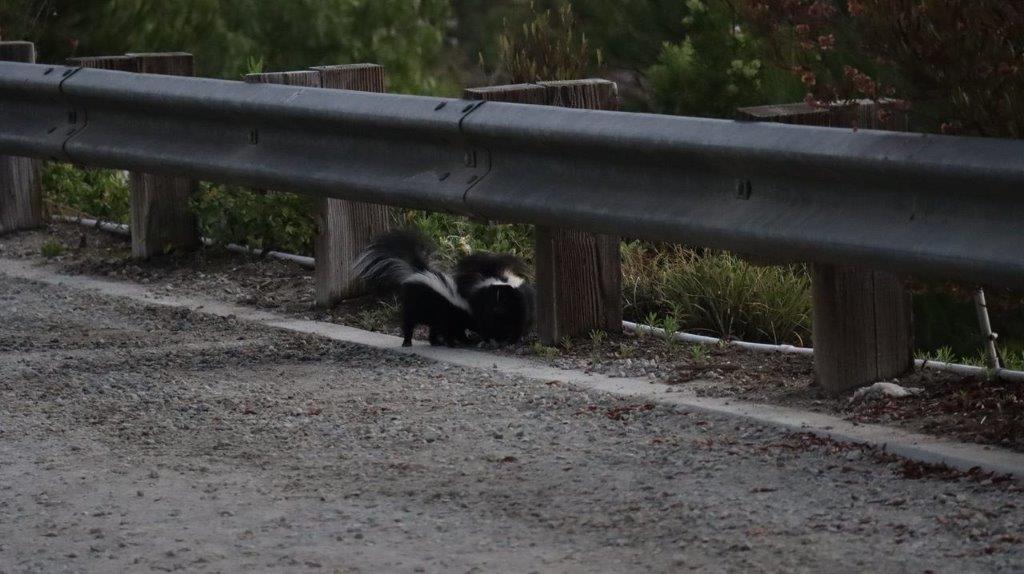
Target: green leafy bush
(226, 214)
(714, 67)
(406, 37)
(458, 235)
(548, 46)
(100, 193)
(266, 220)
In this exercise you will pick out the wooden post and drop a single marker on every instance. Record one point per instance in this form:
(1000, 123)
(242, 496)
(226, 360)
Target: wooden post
(21, 197)
(578, 274)
(161, 218)
(119, 63)
(344, 228)
(863, 326)
(307, 78)
(862, 319)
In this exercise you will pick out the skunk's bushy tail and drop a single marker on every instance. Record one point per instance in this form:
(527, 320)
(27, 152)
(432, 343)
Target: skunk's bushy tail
(393, 258)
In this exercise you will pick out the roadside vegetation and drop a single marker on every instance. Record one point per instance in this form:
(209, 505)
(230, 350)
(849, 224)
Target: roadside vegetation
(692, 57)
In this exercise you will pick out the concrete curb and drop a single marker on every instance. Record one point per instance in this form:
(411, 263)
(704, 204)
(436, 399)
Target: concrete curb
(923, 448)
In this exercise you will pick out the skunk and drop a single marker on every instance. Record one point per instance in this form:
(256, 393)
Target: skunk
(402, 260)
(501, 302)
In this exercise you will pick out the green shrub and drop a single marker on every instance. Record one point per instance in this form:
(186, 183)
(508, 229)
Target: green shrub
(717, 293)
(100, 193)
(457, 235)
(1014, 360)
(642, 274)
(547, 46)
(714, 67)
(732, 298)
(406, 37)
(266, 220)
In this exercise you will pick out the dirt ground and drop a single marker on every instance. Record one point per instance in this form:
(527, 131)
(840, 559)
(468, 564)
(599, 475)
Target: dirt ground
(965, 408)
(136, 438)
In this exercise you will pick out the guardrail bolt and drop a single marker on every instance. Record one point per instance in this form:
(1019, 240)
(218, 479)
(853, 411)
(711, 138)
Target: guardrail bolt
(470, 158)
(254, 137)
(743, 188)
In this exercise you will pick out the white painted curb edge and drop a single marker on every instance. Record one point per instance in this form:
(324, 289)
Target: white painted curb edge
(923, 448)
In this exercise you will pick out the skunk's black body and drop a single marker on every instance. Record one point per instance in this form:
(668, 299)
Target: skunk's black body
(424, 303)
(500, 300)
(401, 260)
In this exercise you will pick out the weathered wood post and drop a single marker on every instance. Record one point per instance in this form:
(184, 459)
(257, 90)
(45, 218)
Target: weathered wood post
(862, 319)
(161, 218)
(344, 228)
(578, 274)
(21, 197)
(119, 63)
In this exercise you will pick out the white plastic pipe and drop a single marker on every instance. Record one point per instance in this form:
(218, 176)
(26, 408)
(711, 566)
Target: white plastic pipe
(691, 338)
(999, 373)
(118, 228)
(122, 229)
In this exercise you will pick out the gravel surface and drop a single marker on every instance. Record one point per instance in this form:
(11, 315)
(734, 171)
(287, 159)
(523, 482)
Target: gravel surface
(965, 408)
(136, 438)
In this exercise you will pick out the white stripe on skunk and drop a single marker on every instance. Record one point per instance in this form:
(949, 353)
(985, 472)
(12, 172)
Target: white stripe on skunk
(440, 283)
(510, 280)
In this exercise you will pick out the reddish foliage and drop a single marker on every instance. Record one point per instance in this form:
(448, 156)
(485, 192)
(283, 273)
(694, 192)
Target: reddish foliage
(959, 62)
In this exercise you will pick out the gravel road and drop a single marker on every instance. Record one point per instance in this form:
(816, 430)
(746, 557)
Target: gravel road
(135, 439)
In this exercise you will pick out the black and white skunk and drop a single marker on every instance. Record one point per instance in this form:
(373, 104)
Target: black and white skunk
(487, 296)
(402, 260)
(500, 300)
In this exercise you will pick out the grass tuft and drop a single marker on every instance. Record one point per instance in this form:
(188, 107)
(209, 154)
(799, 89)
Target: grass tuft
(51, 249)
(716, 293)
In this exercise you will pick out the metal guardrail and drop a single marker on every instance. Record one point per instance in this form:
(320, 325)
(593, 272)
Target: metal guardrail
(930, 205)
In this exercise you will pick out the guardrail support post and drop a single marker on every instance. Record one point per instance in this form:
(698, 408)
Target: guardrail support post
(344, 228)
(862, 319)
(21, 197)
(578, 274)
(161, 217)
(863, 326)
